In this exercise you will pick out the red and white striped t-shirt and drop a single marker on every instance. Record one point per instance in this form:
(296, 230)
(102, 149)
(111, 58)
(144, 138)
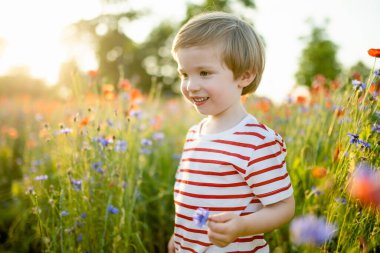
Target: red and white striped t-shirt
(238, 170)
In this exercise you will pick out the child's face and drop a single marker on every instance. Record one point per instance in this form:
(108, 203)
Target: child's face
(207, 82)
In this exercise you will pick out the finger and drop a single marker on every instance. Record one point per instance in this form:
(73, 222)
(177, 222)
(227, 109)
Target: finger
(220, 228)
(217, 239)
(221, 217)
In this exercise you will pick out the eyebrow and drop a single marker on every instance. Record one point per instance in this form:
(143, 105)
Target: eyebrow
(197, 68)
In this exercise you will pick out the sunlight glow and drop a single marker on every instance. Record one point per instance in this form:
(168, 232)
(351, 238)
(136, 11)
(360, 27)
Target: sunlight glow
(33, 38)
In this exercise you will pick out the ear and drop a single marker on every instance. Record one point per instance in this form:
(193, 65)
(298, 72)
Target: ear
(246, 79)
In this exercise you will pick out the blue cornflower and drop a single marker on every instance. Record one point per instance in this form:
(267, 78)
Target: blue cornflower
(120, 146)
(159, 136)
(136, 114)
(316, 191)
(83, 215)
(200, 217)
(103, 141)
(377, 72)
(41, 178)
(376, 128)
(145, 151)
(77, 184)
(113, 210)
(109, 123)
(96, 165)
(65, 130)
(64, 213)
(146, 142)
(80, 238)
(311, 230)
(36, 163)
(354, 138)
(364, 144)
(358, 85)
(341, 200)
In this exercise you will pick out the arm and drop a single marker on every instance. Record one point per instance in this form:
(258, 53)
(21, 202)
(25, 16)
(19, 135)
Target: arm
(171, 247)
(224, 228)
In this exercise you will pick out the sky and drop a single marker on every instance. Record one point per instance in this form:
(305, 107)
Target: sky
(34, 38)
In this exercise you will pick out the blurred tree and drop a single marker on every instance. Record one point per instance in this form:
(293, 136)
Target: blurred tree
(216, 5)
(18, 81)
(154, 58)
(318, 57)
(149, 63)
(115, 51)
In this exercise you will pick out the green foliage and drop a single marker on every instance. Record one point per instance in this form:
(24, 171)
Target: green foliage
(318, 57)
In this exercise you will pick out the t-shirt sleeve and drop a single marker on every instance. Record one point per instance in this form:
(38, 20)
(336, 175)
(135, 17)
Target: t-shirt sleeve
(266, 173)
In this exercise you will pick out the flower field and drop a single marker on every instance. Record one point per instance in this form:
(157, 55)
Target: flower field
(95, 173)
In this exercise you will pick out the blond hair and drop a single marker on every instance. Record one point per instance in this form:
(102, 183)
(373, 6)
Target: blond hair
(242, 48)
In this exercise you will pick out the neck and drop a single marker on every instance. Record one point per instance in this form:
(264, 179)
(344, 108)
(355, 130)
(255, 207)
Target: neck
(216, 123)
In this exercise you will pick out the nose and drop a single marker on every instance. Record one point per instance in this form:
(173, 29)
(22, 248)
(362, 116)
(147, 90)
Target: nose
(192, 85)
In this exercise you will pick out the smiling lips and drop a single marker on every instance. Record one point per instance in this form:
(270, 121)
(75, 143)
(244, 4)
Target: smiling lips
(199, 100)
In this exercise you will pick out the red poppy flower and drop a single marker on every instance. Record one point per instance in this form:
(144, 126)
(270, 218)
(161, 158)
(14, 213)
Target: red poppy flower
(374, 52)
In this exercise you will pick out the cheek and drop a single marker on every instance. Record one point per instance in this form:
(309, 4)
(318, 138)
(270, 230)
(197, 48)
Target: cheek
(184, 90)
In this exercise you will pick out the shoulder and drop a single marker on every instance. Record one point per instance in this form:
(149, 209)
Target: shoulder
(267, 137)
(264, 132)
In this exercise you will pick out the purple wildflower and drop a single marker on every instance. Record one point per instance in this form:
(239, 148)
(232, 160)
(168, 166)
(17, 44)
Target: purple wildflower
(77, 184)
(96, 165)
(316, 191)
(309, 229)
(109, 123)
(64, 213)
(341, 200)
(364, 144)
(41, 178)
(145, 151)
(159, 136)
(36, 163)
(136, 114)
(200, 217)
(120, 146)
(103, 141)
(112, 210)
(146, 142)
(79, 238)
(364, 170)
(65, 130)
(83, 215)
(354, 138)
(358, 85)
(376, 128)
(377, 72)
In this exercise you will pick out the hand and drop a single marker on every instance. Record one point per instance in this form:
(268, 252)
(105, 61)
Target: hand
(171, 248)
(223, 228)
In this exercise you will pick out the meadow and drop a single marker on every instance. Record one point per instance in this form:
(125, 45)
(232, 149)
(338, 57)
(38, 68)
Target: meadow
(95, 172)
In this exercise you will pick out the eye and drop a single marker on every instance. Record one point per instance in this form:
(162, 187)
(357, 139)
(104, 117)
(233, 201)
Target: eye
(183, 75)
(203, 73)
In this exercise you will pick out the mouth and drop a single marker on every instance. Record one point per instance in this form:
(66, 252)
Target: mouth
(199, 100)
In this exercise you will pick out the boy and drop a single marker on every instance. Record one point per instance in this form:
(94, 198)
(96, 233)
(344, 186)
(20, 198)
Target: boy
(231, 165)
